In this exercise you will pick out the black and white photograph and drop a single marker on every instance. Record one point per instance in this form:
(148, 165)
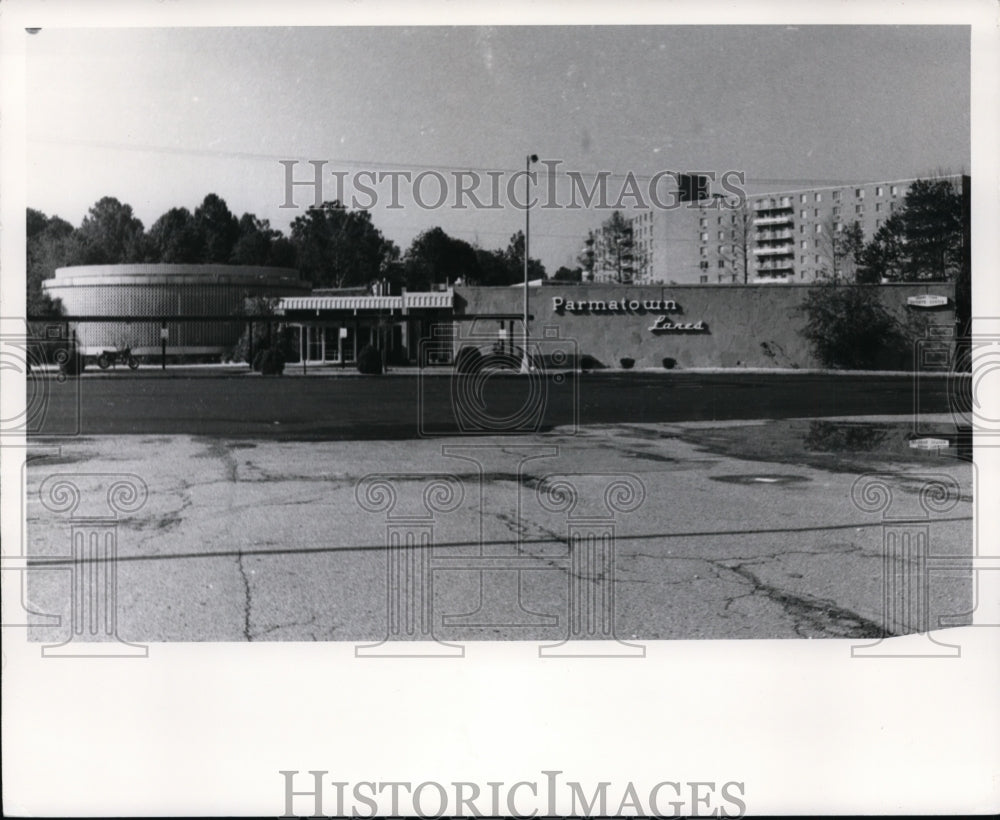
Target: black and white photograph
(425, 411)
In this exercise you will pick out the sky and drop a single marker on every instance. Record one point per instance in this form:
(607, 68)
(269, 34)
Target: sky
(161, 117)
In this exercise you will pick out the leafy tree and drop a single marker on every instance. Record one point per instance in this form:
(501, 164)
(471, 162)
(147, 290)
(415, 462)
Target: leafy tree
(110, 234)
(884, 256)
(494, 268)
(434, 257)
(922, 242)
(260, 244)
(565, 274)
(51, 244)
(616, 248)
(850, 327)
(218, 227)
(175, 238)
(932, 225)
(338, 248)
(514, 255)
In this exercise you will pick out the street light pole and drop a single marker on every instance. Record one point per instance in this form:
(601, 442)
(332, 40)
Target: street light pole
(525, 362)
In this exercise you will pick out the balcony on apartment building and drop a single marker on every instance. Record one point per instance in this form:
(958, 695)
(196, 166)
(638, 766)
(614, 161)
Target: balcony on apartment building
(770, 217)
(774, 266)
(785, 249)
(770, 236)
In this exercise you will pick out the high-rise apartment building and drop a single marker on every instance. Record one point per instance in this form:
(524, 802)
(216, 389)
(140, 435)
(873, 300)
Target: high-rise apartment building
(786, 236)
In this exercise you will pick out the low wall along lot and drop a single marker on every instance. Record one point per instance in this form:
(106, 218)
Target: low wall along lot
(694, 325)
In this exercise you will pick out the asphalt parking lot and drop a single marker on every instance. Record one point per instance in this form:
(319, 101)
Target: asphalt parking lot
(264, 511)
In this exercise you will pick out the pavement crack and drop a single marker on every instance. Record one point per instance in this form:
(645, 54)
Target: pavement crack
(247, 634)
(811, 615)
(290, 624)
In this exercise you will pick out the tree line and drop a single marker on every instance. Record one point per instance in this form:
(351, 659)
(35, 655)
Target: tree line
(331, 246)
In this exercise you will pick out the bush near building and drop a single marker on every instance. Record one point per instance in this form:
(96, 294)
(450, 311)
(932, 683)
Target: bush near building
(849, 327)
(370, 361)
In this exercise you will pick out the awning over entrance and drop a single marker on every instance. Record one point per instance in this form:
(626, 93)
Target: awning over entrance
(431, 300)
(333, 327)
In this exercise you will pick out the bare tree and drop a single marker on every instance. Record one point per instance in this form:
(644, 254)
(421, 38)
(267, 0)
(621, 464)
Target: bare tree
(739, 257)
(839, 246)
(616, 248)
(587, 257)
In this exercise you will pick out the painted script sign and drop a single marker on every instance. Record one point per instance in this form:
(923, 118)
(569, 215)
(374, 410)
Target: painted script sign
(662, 324)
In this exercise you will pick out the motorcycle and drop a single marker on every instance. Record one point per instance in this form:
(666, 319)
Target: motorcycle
(109, 358)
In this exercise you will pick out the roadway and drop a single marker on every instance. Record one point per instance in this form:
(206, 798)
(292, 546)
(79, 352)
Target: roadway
(396, 407)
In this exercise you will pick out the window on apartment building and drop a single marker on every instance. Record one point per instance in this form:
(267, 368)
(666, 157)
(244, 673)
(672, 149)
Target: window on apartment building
(703, 280)
(722, 234)
(722, 249)
(703, 223)
(817, 259)
(879, 191)
(859, 209)
(802, 228)
(892, 206)
(804, 214)
(878, 207)
(819, 229)
(836, 196)
(718, 221)
(803, 258)
(804, 244)
(704, 250)
(878, 224)
(735, 249)
(802, 198)
(732, 219)
(704, 236)
(837, 227)
(703, 265)
(859, 193)
(836, 210)
(894, 190)
(722, 263)
(819, 197)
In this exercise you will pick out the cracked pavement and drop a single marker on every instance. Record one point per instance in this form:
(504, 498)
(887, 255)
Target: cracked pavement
(245, 540)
